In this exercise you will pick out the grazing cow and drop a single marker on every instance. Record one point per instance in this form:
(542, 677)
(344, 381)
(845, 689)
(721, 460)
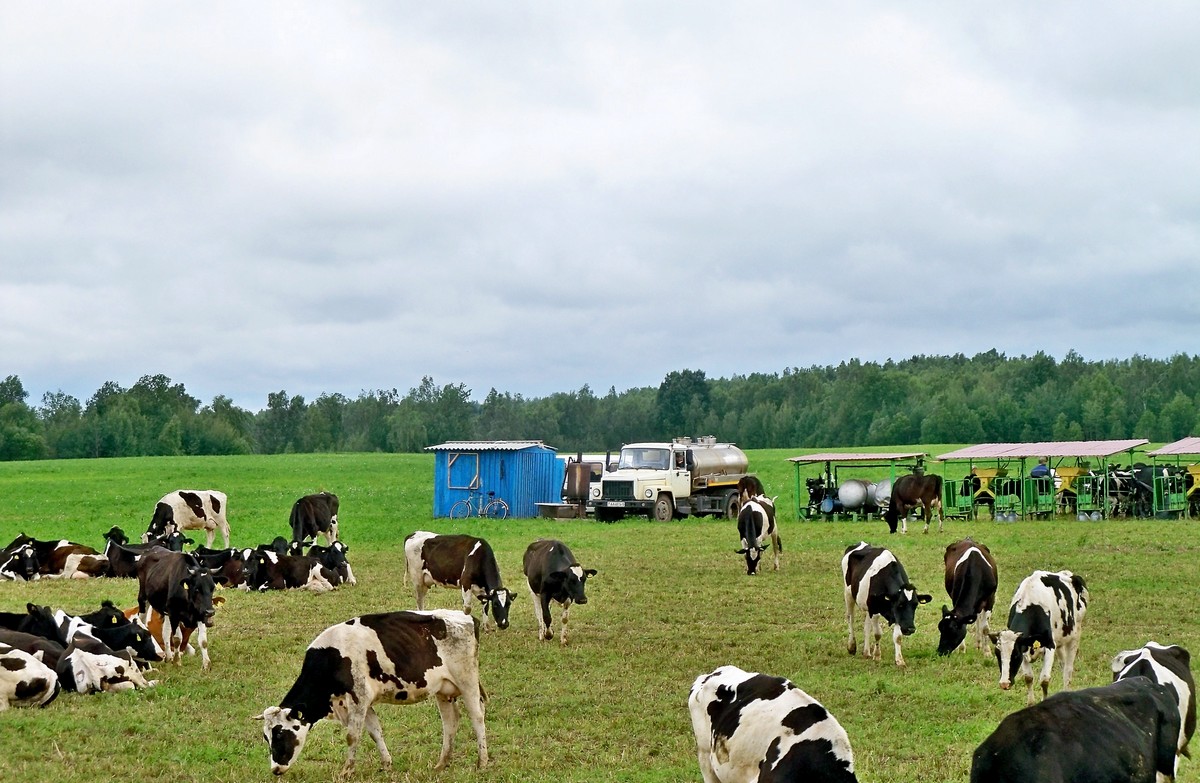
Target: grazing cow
(53, 556)
(25, 681)
(176, 586)
(313, 515)
(554, 575)
(1169, 666)
(1120, 733)
(190, 509)
(749, 487)
(915, 489)
(395, 658)
(876, 583)
(265, 570)
(971, 579)
(19, 564)
(755, 727)
(465, 562)
(1046, 614)
(756, 523)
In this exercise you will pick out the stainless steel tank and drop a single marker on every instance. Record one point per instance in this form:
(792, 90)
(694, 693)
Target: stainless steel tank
(717, 458)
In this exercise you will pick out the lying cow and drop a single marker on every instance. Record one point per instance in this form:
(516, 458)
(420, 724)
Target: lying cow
(1169, 666)
(876, 583)
(756, 524)
(1045, 616)
(971, 578)
(122, 557)
(332, 557)
(396, 658)
(181, 590)
(752, 726)
(190, 509)
(465, 562)
(25, 681)
(1125, 731)
(20, 564)
(265, 570)
(313, 515)
(56, 556)
(90, 666)
(112, 627)
(553, 574)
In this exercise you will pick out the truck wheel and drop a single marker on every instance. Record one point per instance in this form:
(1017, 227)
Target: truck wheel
(733, 504)
(664, 509)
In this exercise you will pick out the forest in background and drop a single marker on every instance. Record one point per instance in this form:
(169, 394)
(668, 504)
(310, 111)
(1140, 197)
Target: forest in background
(988, 397)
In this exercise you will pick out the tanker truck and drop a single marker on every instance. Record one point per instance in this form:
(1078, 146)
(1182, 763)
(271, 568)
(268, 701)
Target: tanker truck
(682, 478)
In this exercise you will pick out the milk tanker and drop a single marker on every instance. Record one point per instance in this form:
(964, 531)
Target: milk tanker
(682, 478)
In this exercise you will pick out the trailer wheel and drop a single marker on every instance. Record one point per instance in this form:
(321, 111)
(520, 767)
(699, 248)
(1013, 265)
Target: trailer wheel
(664, 508)
(733, 504)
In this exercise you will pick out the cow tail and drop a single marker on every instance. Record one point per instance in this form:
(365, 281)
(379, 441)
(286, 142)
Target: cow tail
(483, 696)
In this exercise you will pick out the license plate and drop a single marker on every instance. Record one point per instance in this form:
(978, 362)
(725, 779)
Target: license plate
(616, 504)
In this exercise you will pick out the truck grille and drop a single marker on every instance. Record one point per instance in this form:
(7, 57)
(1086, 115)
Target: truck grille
(618, 490)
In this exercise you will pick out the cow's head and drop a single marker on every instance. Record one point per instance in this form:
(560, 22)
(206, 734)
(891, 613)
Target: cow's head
(1011, 648)
(254, 569)
(568, 585)
(22, 563)
(40, 622)
(285, 732)
(116, 535)
(953, 630)
(902, 606)
(198, 586)
(753, 553)
(162, 523)
(296, 548)
(498, 601)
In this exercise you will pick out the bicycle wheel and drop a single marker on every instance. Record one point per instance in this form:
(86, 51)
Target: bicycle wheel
(460, 510)
(496, 509)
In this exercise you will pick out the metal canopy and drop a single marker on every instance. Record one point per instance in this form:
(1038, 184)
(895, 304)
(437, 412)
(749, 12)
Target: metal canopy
(489, 445)
(872, 456)
(1067, 448)
(1186, 446)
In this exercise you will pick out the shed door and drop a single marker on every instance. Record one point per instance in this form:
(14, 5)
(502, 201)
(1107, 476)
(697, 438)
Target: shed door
(462, 470)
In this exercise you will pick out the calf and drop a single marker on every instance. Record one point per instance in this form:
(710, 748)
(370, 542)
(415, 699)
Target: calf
(181, 590)
(1169, 666)
(313, 515)
(755, 727)
(227, 566)
(1046, 614)
(756, 523)
(971, 579)
(24, 680)
(465, 562)
(554, 575)
(1122, 732)
(396, 658)
(876, 583)
(190, 509)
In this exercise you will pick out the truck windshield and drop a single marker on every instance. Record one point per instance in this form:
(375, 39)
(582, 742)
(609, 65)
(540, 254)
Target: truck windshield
(657, 459)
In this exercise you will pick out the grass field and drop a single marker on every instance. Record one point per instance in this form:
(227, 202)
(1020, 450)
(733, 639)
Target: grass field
(670, 601)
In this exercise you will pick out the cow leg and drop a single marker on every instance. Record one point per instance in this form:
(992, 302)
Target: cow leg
(851, 645)
(1027, 673)
(467, 596)
(449, 709)
(941, 515)
(562, 637)
(225, 534)
(168, 640)
(1068, 662)
(355, 717)
(778, 547)
(870, 637)
(541, 613)
(925, 513)
(897, 638)
(420, 588)
(376, 733)
(202, 642)
(209, 534)
(1047, 666)
(982, 628)
(331, 534)
(904, 519)
(473, 702)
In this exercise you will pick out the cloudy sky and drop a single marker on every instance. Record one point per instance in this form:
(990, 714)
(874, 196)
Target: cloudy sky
(534, 196)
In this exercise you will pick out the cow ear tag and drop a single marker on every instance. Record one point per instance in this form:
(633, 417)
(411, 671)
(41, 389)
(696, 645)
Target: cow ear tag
(112, 620)
(1036, 646)
(185, 587)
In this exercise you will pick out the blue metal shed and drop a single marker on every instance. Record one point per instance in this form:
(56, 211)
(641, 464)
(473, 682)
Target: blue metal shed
(522, 472)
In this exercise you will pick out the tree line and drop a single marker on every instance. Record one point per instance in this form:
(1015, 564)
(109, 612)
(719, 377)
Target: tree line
(925, 399)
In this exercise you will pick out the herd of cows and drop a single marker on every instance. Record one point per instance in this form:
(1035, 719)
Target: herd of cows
(749, 726)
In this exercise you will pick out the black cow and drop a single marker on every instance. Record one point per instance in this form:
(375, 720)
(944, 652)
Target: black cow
(189, 509)
(553, 574)
(1169, 666)
(915, 489)
(465, 562)
(1045, 618)
(313, 515)
(181, 590)
(226, 565)
(756, 523)
(265, 570)
(971, 579)
(396, 658)
(37, 620)
(33, 644)
(1125, 732)
(752, 726)
(876, 583)
(123, 556)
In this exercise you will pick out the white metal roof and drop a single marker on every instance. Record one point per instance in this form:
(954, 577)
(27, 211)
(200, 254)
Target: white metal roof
(851, 456)
(1061, 448)
(489, 445)
(1184, 446)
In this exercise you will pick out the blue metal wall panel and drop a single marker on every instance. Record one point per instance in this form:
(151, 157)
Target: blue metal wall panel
(523, 478)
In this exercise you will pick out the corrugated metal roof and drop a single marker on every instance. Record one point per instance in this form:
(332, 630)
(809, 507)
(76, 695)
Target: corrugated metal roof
(489, 445)
(852, 456)
(1184, 446)
(1061, 448)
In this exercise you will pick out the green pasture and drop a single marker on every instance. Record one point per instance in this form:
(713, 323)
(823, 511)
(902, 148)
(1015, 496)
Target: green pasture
(671, 601)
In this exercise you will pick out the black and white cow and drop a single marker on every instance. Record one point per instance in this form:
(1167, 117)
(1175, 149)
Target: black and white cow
(332, 557)
(181, 590)
(58, 555)
(1045, 619)
(1170, 666)
(25, 681)
(110, 626)
(876, 583)
(755, 727)
(264, 570)
(90, 666)
(1120, 733)
(971, 579)
(46, 650)
(465, 562)
(394, 658)
(313, 515)
(19, 564)
(756, 524)
(190, 509)
(122, 557)
(553, 574)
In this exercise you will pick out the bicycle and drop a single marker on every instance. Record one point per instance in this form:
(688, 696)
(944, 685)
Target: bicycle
(492, 508)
